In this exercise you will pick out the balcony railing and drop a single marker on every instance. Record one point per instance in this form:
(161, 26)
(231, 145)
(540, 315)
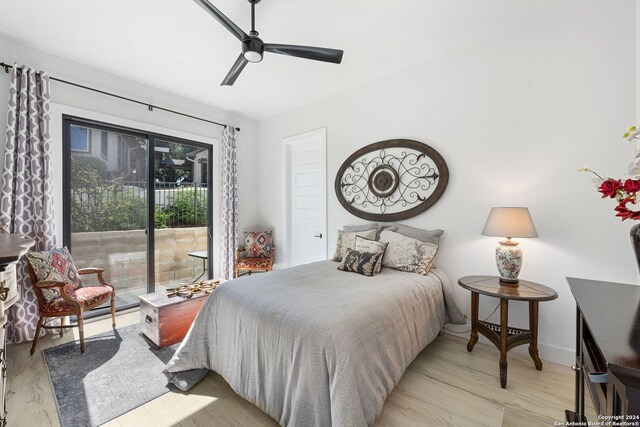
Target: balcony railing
(121, 206)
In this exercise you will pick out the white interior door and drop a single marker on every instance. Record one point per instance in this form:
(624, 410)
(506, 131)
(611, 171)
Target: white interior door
(307, 197)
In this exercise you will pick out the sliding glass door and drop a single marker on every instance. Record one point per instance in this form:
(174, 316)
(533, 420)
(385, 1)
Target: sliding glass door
(136, 204)
(182, 206)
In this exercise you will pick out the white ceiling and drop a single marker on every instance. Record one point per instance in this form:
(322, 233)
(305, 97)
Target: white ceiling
(176, 46)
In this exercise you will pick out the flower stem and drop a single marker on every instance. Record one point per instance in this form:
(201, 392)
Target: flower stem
(596, 174)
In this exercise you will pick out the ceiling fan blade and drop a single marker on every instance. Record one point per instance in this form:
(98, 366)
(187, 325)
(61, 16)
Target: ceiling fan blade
(235, 71)
(221, 18)
(307, 52)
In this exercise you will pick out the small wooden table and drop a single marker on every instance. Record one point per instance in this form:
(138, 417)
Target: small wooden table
(504, 337)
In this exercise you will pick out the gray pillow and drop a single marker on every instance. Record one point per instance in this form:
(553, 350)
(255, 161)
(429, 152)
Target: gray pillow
(430, 236)
(362, 227)
(371, 226)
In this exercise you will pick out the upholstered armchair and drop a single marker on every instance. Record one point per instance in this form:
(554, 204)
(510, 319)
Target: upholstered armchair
(56, 283)
(257, 254)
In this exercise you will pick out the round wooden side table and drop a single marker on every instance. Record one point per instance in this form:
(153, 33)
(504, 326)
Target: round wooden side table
(502, 336)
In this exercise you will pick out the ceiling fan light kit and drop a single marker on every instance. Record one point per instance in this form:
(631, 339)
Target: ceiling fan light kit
(253, 47)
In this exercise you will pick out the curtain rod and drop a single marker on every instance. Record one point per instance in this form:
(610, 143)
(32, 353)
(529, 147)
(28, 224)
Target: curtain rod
(151, 107)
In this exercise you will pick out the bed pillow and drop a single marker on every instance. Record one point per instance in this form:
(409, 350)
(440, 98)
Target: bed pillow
(360, 262)
(407, 254)
(362, 227)
(431, 236)
(347, 239)
(371, 226)
(258, 244)
(371, 246)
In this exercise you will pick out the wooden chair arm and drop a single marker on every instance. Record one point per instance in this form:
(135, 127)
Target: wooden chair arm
(47, 285)
(238, 252)
(62, 290)
(94, 270)
(90, 270)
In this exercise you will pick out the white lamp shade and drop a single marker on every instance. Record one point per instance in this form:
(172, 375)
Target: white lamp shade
(509, 222)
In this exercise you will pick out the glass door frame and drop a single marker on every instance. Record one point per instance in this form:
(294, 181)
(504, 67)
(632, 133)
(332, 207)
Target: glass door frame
(67, 122)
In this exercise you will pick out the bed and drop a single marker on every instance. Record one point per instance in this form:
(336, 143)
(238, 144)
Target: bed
(312, 345)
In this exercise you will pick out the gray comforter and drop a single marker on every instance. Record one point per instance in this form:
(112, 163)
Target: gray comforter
(312, 345)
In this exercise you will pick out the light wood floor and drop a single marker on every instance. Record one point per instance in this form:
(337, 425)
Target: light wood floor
(444, 386)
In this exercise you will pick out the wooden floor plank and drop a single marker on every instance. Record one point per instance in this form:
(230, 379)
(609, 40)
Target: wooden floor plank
(444, 386)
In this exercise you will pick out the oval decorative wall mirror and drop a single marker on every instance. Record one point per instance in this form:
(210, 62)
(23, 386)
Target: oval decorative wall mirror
(391, 180)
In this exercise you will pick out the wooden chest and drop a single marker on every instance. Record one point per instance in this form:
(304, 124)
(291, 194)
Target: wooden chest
(166, 320)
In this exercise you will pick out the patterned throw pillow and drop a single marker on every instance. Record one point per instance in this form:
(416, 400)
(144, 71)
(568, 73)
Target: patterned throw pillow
(372, 246)
(347, 239)
(360, 262)
(407, 254)
(258, 244)
(55, 265)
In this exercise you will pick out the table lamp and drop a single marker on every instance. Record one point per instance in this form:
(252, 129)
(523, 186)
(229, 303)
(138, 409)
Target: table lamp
(509, 222)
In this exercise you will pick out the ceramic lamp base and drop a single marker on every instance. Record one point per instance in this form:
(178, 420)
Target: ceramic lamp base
(508, 261)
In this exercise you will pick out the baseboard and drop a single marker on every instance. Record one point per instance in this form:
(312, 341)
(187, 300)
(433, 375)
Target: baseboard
(559, 355)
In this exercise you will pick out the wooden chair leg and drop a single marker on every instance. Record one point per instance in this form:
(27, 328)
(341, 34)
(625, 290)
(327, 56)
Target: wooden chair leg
(113, 309)
(237, 272)
(81, 329)
(61, 327)
(35, 338)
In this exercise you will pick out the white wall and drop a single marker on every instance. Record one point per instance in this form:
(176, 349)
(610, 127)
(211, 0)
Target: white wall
(514, 119)
(71, 100)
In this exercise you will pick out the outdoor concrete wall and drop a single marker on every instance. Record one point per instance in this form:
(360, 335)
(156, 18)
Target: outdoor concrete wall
(123, 255)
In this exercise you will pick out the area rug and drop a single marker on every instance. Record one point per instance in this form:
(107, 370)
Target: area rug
(118, 371)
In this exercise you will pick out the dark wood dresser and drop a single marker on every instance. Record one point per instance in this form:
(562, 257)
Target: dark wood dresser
(12, 247)
(607, 348)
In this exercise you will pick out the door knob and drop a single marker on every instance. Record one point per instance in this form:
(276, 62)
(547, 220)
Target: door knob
(318, 236)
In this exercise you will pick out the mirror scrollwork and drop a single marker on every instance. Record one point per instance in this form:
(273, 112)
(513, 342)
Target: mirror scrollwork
(391, 180)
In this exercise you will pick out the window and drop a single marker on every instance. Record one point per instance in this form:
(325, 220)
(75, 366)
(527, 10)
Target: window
(123, 208)
(79, 139)
(104, 144)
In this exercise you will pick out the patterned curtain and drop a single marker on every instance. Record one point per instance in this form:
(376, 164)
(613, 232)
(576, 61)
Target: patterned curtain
(229, 189)
(26, 205)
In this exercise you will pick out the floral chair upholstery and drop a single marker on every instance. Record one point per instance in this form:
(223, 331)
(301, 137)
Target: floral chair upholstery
(58, 288)
(257, 254)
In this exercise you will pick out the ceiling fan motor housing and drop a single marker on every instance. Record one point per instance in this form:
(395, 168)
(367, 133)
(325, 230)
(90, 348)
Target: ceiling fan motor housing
(252, 49)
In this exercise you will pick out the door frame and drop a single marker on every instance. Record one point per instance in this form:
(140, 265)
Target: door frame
(212, 181)
(287, 143)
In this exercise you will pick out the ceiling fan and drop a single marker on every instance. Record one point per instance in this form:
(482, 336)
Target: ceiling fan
(253, 47)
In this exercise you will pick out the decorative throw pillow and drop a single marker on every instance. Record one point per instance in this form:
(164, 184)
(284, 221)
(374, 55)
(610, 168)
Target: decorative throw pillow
(258, 244)
(407, 254)
(360, 262)
(55, 265)
(371, 246)
(347, 239)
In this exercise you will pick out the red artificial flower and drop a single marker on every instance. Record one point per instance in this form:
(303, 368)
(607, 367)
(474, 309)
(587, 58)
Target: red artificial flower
(610, 187)
(632, 186)
(624, 212)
